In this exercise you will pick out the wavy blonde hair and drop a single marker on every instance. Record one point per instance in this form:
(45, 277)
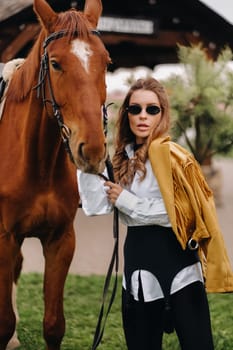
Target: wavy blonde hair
(125, 168)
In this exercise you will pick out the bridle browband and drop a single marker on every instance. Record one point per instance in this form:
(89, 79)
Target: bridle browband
(40, 87)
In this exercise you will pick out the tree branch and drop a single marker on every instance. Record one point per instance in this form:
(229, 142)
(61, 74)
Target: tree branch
(186, 137)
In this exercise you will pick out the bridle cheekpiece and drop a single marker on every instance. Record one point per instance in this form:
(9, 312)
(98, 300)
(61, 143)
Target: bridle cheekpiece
(40, 87)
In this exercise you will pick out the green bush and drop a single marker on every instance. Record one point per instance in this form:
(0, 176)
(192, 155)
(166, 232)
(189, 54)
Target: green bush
(202, 102)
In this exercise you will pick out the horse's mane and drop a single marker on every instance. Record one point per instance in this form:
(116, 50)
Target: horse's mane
(25, 78)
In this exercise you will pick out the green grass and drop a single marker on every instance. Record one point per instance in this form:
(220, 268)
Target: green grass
(82, 301)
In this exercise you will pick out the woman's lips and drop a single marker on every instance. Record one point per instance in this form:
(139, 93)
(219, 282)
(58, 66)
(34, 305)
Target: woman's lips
(142, 126)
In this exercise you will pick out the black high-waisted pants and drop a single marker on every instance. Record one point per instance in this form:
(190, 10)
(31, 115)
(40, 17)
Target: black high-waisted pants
(191, 319)
(156, 249)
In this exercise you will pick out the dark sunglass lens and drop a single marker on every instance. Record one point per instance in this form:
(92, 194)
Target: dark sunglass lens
(134, 109)
(153, 110)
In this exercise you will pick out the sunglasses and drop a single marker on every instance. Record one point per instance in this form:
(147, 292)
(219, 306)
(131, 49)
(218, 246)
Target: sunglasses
(136, 109)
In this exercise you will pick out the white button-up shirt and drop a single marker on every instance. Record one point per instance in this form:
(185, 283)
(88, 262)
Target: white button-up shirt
(139, 204)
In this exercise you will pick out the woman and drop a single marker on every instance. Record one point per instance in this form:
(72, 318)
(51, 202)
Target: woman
(174, 248)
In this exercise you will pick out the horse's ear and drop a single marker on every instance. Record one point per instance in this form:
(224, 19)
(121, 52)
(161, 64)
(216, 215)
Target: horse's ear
(45, 14)
(93, 10)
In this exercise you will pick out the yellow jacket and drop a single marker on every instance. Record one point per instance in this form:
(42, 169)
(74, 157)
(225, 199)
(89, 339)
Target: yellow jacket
(191, 209)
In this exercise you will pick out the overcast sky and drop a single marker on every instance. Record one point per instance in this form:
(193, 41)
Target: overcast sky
(223, 7)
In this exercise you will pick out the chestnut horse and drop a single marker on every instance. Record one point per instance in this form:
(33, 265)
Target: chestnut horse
(56, 95)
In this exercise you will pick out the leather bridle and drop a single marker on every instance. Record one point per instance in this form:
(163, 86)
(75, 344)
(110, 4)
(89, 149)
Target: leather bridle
(44, 74)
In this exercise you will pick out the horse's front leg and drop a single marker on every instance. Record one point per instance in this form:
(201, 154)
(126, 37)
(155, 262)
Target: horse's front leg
(58, 253)
(9, 250)
(14, 341)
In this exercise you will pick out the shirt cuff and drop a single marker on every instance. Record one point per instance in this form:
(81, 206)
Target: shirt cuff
(126, 202)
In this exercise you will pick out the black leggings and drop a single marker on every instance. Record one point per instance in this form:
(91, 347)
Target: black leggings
(190, 313)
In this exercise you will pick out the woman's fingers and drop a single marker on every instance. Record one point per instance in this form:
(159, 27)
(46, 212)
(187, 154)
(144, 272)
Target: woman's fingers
(113, 191)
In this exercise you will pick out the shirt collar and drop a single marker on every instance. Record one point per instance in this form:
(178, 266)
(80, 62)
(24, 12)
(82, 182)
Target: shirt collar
(129, 149)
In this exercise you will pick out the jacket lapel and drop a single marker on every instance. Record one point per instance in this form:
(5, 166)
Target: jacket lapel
(159, 156)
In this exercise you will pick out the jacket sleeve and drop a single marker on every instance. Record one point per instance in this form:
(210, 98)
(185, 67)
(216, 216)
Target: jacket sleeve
(93, 194)
(215, 261)
(219, 274)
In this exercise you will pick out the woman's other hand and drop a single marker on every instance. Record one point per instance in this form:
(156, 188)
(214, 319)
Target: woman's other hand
(113, 191)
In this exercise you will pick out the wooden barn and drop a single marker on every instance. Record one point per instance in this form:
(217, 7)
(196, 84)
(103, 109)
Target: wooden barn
(136, 32)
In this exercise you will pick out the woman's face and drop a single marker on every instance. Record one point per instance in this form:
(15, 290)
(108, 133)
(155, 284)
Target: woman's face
(143, 120)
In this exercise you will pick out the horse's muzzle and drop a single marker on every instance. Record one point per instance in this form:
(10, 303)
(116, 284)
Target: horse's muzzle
(91, 158)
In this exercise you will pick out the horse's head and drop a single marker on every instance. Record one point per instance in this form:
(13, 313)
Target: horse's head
(76, 62)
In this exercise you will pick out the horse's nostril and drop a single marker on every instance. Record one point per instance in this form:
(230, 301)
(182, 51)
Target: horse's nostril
(90, 155)
(105, 149)
(80, 150)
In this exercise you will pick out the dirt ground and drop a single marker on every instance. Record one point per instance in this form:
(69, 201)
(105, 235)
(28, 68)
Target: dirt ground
(94, 239)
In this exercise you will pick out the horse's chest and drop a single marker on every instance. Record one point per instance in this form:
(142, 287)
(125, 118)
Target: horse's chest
(40, 214)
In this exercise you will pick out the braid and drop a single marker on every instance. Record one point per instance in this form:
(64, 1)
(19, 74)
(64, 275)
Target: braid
(125, 168)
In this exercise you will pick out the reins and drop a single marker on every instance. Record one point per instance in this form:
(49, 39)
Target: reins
(114, 262)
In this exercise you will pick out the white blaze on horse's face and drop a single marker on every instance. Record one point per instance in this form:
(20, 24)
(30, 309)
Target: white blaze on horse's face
(82, 50)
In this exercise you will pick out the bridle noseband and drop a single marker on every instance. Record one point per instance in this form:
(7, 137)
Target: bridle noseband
(40, 87)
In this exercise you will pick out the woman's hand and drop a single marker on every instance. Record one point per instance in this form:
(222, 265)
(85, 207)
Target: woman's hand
(113, 191)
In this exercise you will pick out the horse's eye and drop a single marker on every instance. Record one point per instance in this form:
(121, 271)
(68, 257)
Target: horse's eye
(55, 65)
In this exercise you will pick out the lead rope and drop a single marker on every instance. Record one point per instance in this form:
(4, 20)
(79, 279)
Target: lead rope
(99, 331)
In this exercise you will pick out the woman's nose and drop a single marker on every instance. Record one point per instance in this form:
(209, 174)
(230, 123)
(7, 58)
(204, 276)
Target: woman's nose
(143, 114)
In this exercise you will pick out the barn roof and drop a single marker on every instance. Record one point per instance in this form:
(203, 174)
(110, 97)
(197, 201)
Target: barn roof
(10, 7)
(136, 32)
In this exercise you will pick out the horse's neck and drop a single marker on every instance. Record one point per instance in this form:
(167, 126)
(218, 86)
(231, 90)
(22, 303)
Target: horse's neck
(45, 138)
(37, 135)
